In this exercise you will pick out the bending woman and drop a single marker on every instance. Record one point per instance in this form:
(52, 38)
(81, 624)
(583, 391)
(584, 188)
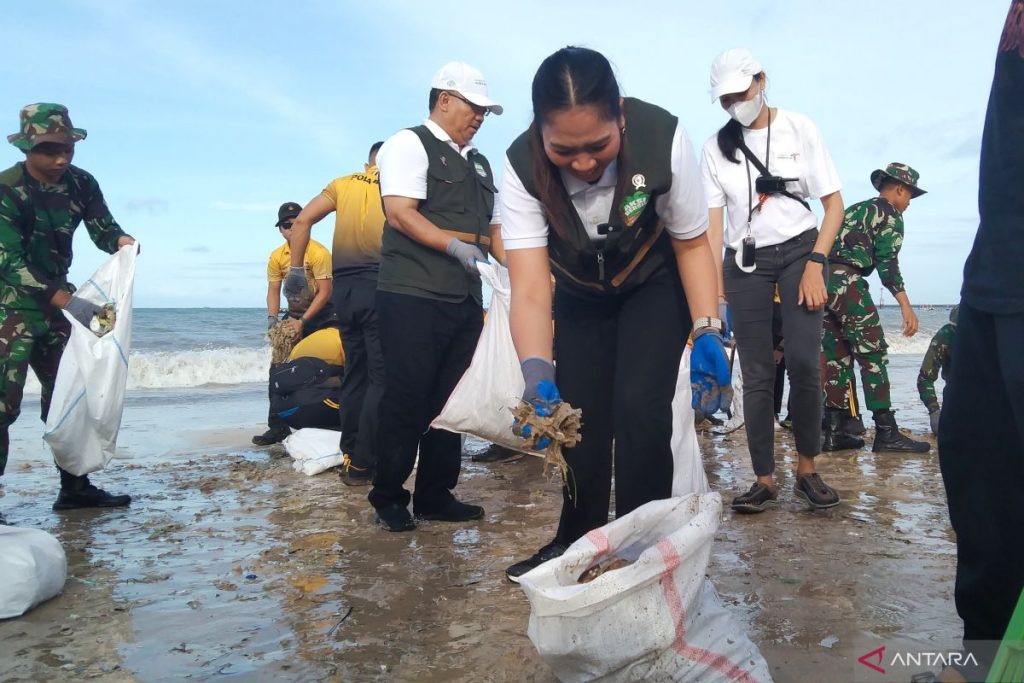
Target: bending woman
(772, 239)
(605, 193)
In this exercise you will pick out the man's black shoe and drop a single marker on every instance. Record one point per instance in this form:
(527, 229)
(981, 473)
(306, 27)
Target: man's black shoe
(83, 494)
(888, 437)
(355, 476)
(453, 511)
(759, 498)
(495, 453)
(395, 518)
(548, 552)
(272, 436)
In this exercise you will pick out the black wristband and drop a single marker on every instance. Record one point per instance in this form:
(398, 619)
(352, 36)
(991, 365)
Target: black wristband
(818, 257)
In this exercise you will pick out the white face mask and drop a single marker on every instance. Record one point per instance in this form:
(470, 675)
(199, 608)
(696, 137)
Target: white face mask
(746, 111)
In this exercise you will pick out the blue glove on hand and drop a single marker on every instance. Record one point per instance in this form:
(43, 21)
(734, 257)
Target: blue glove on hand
(540, 392)
(710, 379)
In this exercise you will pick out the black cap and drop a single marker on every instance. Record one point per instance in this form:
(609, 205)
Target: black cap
(287, 212)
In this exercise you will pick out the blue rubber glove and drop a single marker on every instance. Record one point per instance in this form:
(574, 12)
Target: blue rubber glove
(710, 379)
(539, 391)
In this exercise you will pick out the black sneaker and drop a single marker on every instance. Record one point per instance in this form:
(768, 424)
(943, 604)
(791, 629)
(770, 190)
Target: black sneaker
(759, 498)
(548, 552)
(816, 493)
(786, 422)
(88, 496)
(495, 453)
(272, 436)
(453, 511)
(355, 476)
(395, 518)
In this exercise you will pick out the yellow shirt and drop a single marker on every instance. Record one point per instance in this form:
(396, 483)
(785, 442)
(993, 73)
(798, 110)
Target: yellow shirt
(317, 260)
(358, 218)
(324, 344)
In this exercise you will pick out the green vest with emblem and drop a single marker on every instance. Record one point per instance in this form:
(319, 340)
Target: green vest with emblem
(636, 245)
(460, 201)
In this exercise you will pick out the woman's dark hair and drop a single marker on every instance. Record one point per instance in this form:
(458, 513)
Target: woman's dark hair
(571, 77)
(731, 134)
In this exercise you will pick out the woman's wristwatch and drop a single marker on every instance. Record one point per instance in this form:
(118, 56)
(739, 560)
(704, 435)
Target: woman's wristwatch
(818, 257)
(708, 324)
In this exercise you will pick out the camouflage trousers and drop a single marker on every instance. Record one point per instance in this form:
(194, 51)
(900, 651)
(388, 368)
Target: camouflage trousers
(28, 338)
(853, 330)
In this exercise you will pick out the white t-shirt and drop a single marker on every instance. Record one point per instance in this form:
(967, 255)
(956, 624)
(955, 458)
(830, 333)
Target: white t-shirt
(682, 209)
(403, 163)
(797, 151)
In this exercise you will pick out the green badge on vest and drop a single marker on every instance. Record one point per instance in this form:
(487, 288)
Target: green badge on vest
(634, 204)
(480, 170)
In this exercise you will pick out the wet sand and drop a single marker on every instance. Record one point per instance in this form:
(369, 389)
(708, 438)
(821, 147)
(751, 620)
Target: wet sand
(231, 566)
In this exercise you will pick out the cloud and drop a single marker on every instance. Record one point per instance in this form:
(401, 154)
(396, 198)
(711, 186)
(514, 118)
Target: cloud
(151, 205)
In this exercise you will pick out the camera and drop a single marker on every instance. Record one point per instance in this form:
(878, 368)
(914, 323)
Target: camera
(772, 184)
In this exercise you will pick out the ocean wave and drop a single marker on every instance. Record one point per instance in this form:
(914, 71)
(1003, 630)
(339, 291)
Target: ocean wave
(194, 368)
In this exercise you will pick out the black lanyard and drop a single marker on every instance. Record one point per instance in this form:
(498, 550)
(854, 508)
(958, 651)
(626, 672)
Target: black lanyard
(750, 184)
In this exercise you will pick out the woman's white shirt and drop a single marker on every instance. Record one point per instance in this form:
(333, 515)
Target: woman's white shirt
(682, 209)
(797, 151)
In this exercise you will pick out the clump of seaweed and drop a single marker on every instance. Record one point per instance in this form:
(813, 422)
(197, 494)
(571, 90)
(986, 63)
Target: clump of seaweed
(562, 428)
(103, 322)
(282, 340)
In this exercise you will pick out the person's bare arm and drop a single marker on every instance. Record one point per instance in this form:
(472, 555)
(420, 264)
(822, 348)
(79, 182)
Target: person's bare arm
(403, 215)
(497, 246)
(698, 274)
(812, 292)
(274, 298)
(716, 230)
(302, 225)
(530, 313)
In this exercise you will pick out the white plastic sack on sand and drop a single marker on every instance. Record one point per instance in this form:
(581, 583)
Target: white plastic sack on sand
(88, 396)
(687, 466)
(314, 450)
(656, 619)
(491, 387)
(33, 568)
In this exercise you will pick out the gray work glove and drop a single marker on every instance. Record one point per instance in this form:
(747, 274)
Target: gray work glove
(271, 321)
(933, 416)
(81, 310)
(295, 284)
(466, 254)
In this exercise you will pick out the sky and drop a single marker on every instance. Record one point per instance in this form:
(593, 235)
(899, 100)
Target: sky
(204, 117)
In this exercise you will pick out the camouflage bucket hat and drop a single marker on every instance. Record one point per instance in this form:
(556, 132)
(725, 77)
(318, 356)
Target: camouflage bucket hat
(901, 172)
(45, 122)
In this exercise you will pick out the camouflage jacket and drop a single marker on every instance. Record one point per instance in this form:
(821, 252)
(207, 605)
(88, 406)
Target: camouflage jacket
(871, 237)
(935, 359)
(37, 224)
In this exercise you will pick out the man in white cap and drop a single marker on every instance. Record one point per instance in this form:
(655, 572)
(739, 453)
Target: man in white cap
(442, 217)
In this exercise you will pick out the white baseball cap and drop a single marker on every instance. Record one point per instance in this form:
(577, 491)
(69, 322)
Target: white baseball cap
(468, 81)
(732, 71)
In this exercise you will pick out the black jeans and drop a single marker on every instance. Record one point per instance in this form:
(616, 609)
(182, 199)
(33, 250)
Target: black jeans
(354, 297)
(982, 461)
(618, 359)
(427, 346)
(750, 303)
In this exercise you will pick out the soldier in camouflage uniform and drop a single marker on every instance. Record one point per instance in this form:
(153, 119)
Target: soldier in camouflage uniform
(870, 238)
(42, 201)
(937, 358)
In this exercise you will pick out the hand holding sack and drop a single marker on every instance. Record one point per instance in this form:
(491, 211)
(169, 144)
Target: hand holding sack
(81, 310)
(466, 254)
(709, 373)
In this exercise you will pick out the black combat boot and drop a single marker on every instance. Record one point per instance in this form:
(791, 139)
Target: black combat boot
(853, 424)
(78, 492)
(889, 439)
(833, 437)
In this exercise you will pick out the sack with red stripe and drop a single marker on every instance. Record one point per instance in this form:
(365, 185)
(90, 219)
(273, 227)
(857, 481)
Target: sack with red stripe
(657, 618)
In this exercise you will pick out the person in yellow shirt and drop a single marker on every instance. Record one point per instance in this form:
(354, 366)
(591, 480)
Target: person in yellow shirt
(307, 313)
(358, 225)
(304, 391)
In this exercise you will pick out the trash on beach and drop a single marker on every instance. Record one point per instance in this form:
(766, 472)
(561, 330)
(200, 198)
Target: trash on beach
(562, 427)
(610, 564)
(282, 339)
(103, 321)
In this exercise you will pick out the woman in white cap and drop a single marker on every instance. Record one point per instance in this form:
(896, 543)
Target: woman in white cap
(605, 193)
(764, 166)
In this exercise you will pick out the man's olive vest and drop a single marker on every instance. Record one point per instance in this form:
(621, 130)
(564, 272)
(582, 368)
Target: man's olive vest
(636, 245)
(460, 201)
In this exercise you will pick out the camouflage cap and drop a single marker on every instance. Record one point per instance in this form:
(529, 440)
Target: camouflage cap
(901, 172)
(45, 122)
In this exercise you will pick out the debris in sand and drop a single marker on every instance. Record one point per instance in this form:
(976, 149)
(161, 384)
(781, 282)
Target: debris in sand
(103, 321)
(610, 564)
(562, 428)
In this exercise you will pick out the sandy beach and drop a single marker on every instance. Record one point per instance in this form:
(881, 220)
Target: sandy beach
(230, 565)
